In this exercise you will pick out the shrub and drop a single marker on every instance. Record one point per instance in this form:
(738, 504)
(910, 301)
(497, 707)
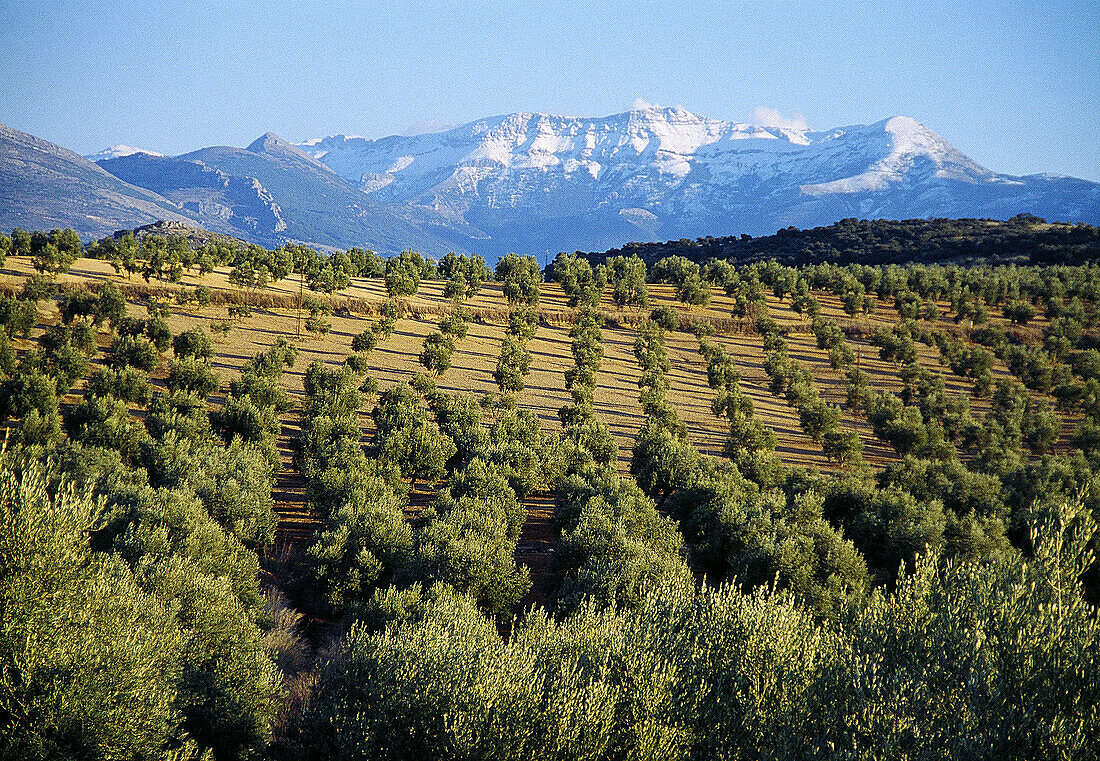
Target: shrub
(1019, 312)
(454, 325)
(520, 276)
(18, 317)
(614, 545)
(364, 342)
(111, 304)
(106, 422)
(135, 351)
(523, 323)
(436, 356)
(403, 274)
(666, 317)
(364, 542)
(627, 276)
(318, 325)
(512, 366)
(77, 303)
(38, 288)
(98, 657)
(127, 383)
(202, 295)
(194, 344)
(157, 330)
(357, 363)
(191, 376)
(661, 461)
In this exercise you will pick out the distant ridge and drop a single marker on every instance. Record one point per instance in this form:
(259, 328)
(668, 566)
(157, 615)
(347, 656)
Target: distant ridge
(118, 151)
(532, 183)
(1021, 240)
(272, 192)
(45, 186)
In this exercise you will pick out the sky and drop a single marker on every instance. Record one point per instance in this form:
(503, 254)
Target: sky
(1013, 85)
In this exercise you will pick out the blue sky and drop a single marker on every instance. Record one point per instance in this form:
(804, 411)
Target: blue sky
(1016, 86)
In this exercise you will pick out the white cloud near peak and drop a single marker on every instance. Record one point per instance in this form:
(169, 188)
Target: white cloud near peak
(770, 117)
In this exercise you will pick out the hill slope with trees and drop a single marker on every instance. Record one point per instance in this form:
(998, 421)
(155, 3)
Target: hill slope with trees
(1024, 239)
(625, 512)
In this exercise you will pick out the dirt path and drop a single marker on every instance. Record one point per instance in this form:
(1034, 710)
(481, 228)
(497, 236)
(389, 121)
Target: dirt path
(537, 541)
(288, 494)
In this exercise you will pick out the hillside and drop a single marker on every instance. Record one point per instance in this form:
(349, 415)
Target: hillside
(1022, 240)
(424, 471)
(45, 186)
(616, 401)
(227, 203)
(271, 192)
(196, 237)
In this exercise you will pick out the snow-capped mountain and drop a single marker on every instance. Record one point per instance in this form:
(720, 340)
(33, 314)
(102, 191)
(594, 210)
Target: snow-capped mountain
(540, 183)
(119, 151)
(536, 182)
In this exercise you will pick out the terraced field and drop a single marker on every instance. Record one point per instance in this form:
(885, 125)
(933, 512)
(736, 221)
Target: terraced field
(616, 400)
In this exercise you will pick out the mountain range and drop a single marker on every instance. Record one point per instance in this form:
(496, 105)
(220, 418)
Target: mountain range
(531, 183)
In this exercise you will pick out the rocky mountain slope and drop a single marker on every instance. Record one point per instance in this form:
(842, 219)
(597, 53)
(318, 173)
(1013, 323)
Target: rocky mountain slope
(45, 186)
(271, 192)
(537, 182)
(531, 183)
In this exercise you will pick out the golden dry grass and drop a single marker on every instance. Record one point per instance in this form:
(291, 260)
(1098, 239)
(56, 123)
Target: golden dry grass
(475, 356)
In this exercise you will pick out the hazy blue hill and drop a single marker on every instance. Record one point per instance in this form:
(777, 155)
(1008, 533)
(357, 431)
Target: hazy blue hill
(44, 186)
(316, 204)
(239, 206)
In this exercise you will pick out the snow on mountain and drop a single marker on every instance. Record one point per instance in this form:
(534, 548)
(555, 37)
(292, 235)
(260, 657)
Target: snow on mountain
(117, 152)
(535, 179)
(665, 150)
(542, 183)
(909, 142)
(666, 138)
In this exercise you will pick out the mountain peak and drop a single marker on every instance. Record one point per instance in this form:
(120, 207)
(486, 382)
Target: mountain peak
(903, 123)
(659, 171)
(119, 151)
(271, 145)
(911, 137)
(269, 142)
(908, 131)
